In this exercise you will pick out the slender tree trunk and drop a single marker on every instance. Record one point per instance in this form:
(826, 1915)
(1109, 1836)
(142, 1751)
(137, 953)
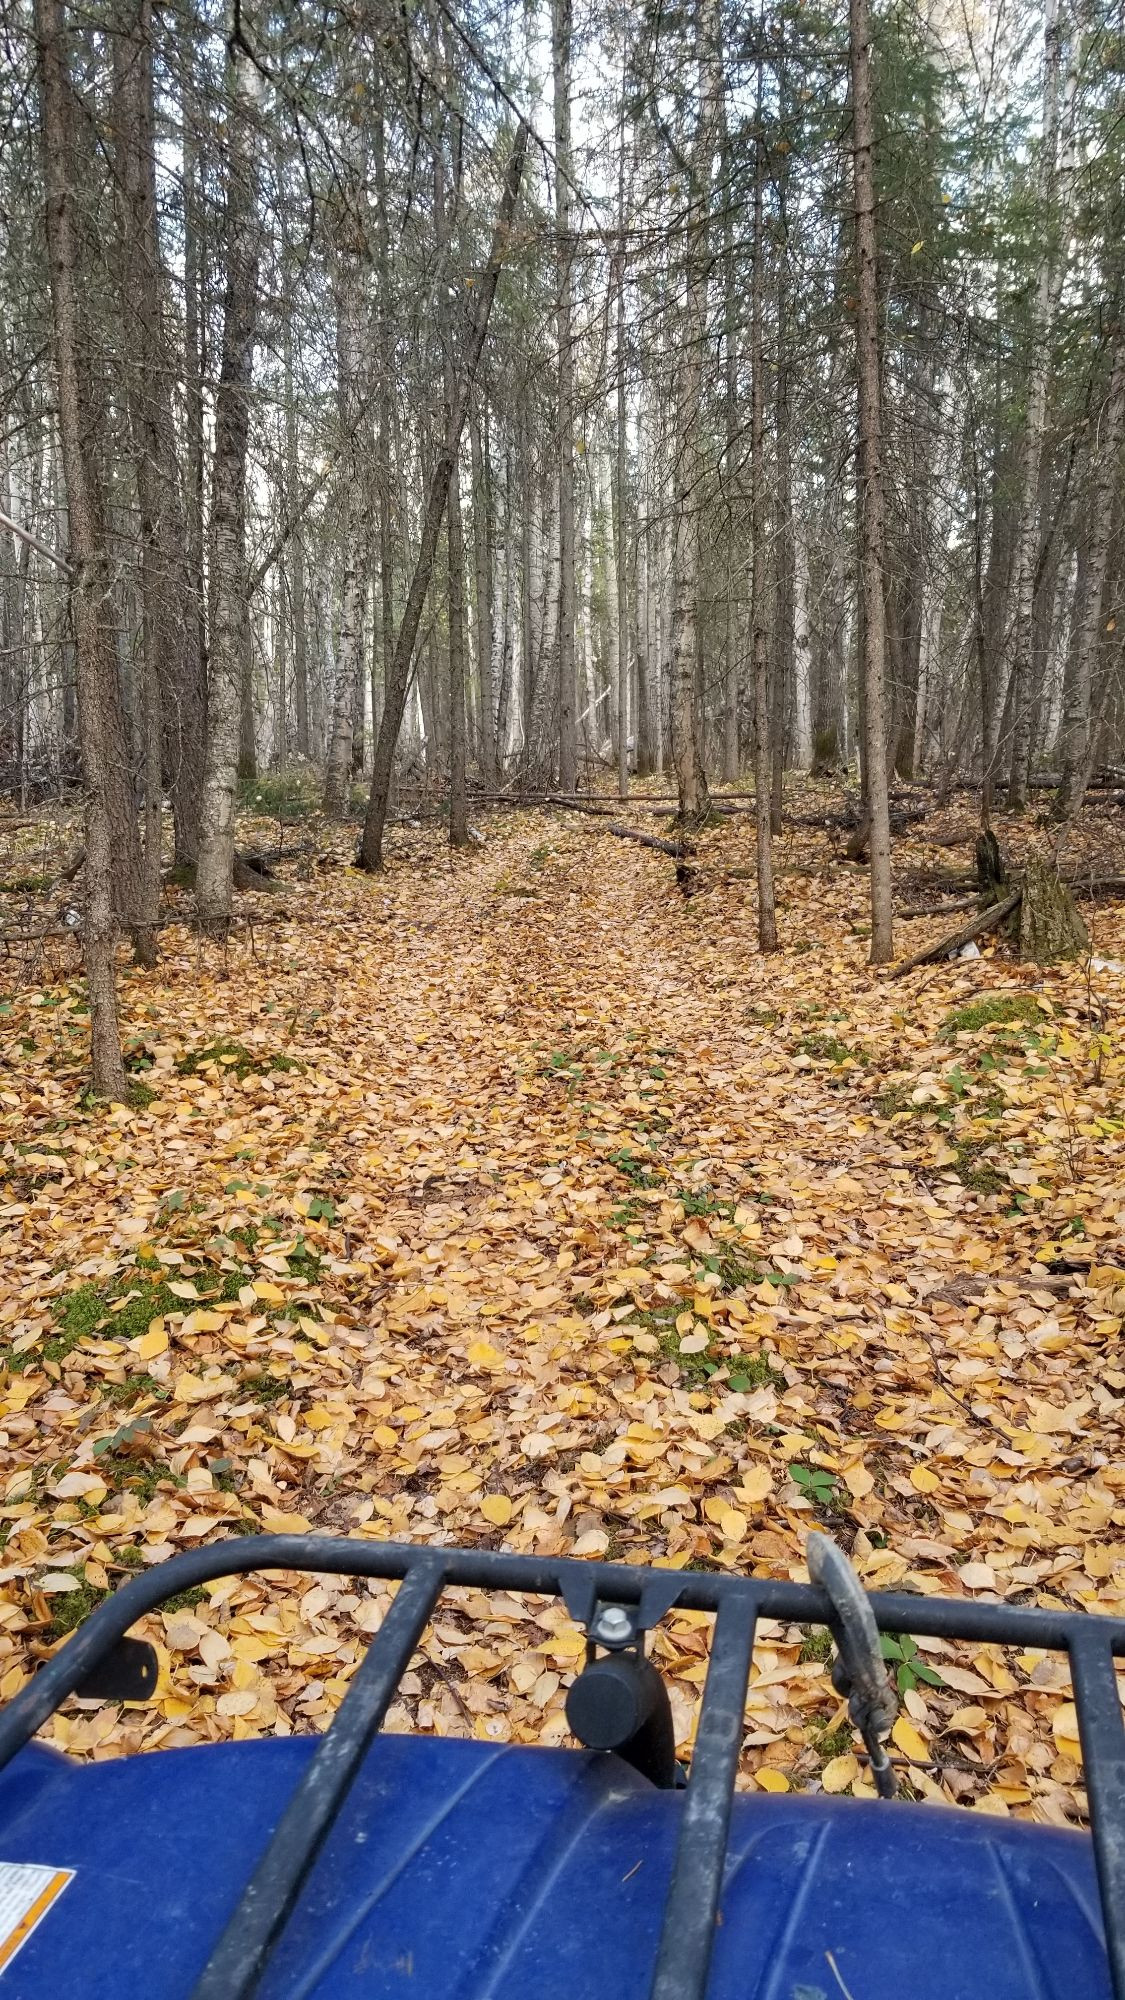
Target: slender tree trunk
(732, 749)
(767, 919)
(454, 525)
(561, 28)
(398, 678)
(620, 521)
(1053, 201)
(185, 719)
(172, 656)
(384, 424)
(100, 722)
(167, 625)
(527, 592)
(802, 654)
(455, 553)
(870, 480)
(350, 275)
(1105, 454)
(687, 724)
(482, 568)
(279, 627)
(214, 872)
(297, 590)
(785, 587)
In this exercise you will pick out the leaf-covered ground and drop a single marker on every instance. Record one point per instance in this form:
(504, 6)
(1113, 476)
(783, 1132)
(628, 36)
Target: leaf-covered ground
(513, 1199)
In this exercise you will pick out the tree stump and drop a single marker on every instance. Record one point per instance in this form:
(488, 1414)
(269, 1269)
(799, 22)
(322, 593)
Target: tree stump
(1051, 927)
(992, 876)
(858, 839)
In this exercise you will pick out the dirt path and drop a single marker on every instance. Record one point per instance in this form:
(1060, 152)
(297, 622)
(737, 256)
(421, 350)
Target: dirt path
(513, 1198)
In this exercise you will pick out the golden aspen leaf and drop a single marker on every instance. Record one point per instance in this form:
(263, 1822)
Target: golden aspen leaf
(152, 1343)
(756, 1484)
(840, 1772)
(594, 1542)
(277, 1523)
(482, 1354)
(497, 1508)
(732, 1524)
(1064, 1729)
(270, 1294)
(907, 1739)
(858, 1481)
(769, 1779)
(923, 1480)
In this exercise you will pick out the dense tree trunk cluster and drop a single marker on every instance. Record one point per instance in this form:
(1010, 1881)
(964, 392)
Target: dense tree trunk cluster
(444, 400)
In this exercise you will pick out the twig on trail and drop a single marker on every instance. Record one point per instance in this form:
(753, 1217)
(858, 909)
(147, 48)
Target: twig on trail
(953, 940)
(961, 1291)
(937, 909)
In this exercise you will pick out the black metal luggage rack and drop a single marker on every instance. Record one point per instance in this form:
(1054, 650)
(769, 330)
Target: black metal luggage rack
(100, 1660)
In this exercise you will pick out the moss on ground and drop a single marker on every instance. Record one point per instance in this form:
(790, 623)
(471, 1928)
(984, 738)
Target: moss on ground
(233, 1058)
(992, 1011)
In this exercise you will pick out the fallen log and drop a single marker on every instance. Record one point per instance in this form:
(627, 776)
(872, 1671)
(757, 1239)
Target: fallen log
(678, 849)
(575, 805)
(1096, 885)
(985, 920)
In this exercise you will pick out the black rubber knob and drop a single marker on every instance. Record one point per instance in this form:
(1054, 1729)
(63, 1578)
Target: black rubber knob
(608, 1702)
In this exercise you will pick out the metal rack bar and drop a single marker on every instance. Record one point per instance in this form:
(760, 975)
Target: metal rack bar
(239, 1959)
(1103, 1750)
(688, 1930)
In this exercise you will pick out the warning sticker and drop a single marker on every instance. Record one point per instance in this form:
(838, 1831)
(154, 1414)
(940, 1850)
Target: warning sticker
(26, 1894)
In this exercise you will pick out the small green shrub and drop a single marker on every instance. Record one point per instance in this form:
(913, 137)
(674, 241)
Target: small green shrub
(906, 1663)
(280, 795)
(816, 1484)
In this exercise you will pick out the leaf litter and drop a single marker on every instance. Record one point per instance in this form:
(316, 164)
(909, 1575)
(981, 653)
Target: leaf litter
(566, 1223)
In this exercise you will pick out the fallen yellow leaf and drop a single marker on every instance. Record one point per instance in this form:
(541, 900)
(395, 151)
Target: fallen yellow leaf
(277, 1523)
(840, 1772)
(1064, 1729)
(923, 1480)
(483, 1355)
(908, 1740)
(858, 1481)
(756, 1484)
(770, 1779)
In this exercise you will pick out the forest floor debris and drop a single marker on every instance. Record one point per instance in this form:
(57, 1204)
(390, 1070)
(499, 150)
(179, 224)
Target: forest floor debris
(511, 1198)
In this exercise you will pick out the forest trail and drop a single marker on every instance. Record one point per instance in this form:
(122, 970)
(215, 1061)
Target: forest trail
(513, 1198)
